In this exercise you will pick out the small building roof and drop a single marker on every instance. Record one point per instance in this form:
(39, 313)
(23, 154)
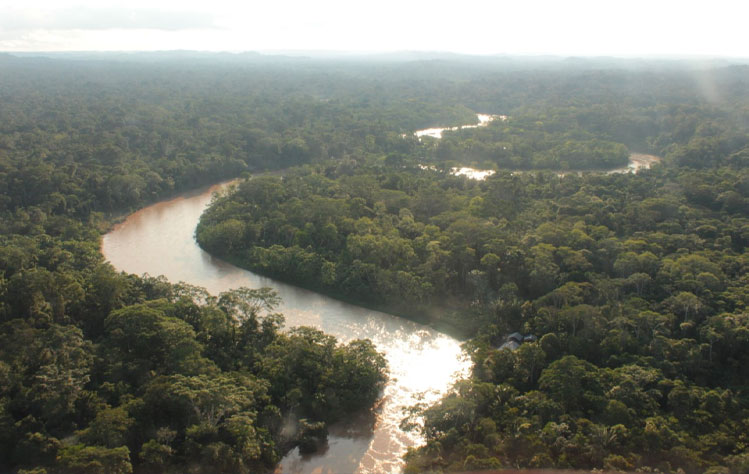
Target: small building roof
(511, 345)
(516, 336)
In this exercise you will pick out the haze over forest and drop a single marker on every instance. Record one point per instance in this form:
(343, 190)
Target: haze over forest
(561, 189)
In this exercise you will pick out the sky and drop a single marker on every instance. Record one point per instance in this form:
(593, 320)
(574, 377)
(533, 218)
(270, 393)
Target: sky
(560, 27)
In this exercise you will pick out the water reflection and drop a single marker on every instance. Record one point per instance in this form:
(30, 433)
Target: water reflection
(484, 120)
(159, 240)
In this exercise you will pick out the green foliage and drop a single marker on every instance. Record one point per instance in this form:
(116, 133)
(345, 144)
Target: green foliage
(150, 391)
(80, 459)
(636, 286)
(632, 283)
(520, 144)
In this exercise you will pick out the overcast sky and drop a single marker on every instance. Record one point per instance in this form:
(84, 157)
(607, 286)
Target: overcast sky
(574, 27)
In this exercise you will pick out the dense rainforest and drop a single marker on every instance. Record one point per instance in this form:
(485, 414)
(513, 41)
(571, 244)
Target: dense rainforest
(632, 289)
(634, 286)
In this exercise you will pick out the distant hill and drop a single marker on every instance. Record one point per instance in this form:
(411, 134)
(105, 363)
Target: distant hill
(505, 62)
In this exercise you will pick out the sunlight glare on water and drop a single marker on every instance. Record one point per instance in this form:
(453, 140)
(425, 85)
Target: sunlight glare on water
(159, 240)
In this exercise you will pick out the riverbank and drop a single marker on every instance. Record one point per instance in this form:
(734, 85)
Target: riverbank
(159, 240)
(636, 162)
(427, 316)
(358, 280)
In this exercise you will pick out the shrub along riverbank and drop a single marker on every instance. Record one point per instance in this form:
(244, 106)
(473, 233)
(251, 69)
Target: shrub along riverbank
(635, 285)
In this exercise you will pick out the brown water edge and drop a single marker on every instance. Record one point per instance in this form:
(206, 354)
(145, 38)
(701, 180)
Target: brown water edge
(352, 437)
(642, 160)
(159, 240)
(434, 317)
(636, 163)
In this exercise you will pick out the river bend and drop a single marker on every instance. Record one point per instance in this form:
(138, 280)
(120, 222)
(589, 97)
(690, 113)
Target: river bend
(159, 240)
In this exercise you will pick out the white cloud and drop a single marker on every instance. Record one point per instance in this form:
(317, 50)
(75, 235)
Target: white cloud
(582, 27)
(102, 18)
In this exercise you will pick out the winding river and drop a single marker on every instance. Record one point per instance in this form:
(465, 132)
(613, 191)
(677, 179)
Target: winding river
(159, 240)
(637, 161)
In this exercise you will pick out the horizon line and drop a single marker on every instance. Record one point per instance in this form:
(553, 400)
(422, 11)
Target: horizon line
(350, 53)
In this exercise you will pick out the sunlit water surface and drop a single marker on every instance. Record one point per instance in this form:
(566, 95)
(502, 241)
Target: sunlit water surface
(159, 240)
(637, 161)
(484, 120)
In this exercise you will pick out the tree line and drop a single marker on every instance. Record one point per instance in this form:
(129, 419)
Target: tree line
(633, 284)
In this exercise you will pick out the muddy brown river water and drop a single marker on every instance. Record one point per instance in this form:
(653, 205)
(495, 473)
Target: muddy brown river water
(159, 240)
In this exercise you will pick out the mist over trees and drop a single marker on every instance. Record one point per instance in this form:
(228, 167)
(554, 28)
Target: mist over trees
(634, 285)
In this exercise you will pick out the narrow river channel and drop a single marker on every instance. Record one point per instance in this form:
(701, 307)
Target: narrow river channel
(159, 240)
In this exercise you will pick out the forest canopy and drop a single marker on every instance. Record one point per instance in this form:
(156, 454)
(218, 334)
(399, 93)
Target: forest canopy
(634, 286)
